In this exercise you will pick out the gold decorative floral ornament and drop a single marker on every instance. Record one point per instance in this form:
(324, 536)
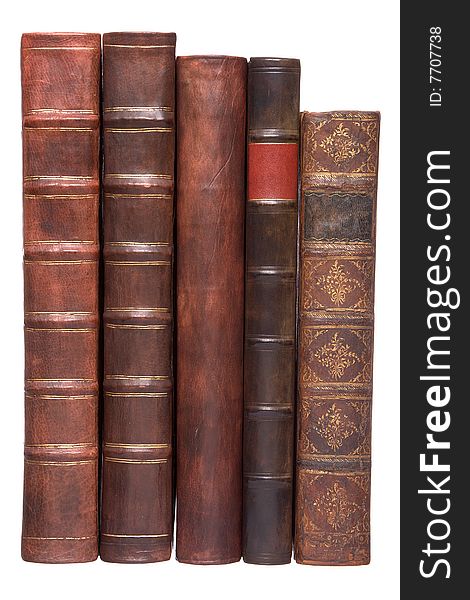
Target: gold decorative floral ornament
(336, 356)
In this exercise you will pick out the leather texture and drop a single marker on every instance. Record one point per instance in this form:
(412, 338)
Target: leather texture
(139, 150)
(211, 97)
(337, 259)
(60, 84)
(269, 363)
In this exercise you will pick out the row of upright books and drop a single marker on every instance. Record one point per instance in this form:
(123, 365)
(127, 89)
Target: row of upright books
(271, 284)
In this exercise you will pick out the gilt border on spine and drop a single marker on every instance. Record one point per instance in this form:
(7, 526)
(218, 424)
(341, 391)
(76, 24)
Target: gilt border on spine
(60, 83)
(139, 147)
(337, 259)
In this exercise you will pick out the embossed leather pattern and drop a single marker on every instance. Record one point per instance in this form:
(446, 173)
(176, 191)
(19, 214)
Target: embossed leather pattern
(271, 229)
(60, 82)
(139, 149)
(211, 95)
(337, 257)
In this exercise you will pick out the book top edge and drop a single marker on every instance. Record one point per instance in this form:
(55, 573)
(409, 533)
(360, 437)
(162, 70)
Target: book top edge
(341, 114)
(60, 40)
(126, 37)
(274, 62)
(210, 57)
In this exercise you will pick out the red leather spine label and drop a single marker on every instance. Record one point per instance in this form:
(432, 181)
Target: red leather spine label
(272, 171)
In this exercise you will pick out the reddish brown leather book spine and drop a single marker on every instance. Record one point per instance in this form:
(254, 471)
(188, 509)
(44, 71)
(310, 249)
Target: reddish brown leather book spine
(139, 148)
(336, 306)
(60, 82)
(269, 364)
(211, 94)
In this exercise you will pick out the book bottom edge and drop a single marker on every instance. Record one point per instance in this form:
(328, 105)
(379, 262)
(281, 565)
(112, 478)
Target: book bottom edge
(216, 561)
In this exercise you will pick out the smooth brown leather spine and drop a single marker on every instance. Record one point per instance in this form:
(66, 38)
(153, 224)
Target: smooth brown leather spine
(211, 96)
(336, 306)
(60, 81)
(269, 362)
(139, 148)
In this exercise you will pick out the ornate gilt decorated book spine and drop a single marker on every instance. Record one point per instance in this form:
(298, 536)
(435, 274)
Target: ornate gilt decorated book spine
(339, 159)
(270, 272)
(60, 84)
(211, 92)
(139, 148)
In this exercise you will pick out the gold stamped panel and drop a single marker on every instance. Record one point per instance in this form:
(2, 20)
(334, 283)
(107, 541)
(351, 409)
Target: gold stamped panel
(334, 524)
(333, 428)
(336, 355)
(338, 284)
(340, 143)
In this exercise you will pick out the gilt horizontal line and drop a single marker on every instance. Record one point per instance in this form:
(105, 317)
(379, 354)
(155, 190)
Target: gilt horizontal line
(137, 195)
(60, 48)
(63, 329)
(60, 196)
(138, 129)
(65, 538)
(309, 457)
(32, 242)
(60, 111)
(137, 394)
(337, 326)
(59, 262)
(137, 46)
(130, 535)
(152, 377)
(143, 263)
(57, 397)
(61, 177)
(322, 175)
(136, 446)
(60, 313)
(62, 380)
(137, 108)
(69, 463)
(139, 175)
(130, 461)
(334, 397)
(136, 244)
(137, 308)
(126, 326)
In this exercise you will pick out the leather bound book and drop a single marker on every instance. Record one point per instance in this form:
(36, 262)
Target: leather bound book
(269, 364)
(339, 159)
(139, 149)
(60, 85)
(211, 97)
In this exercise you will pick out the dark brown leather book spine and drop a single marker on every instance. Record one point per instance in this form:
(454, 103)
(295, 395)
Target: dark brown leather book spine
(211, 97)
(60, 83)
(339, 159)
(139, 148)
(269, 365)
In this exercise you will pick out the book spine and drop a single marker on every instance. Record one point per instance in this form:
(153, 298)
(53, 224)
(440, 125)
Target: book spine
(337, 259)
(60, 86)
(270, 279)
(211, 110)
(139, 148)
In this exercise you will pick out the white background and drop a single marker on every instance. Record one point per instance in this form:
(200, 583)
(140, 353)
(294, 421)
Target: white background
(349, 52)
